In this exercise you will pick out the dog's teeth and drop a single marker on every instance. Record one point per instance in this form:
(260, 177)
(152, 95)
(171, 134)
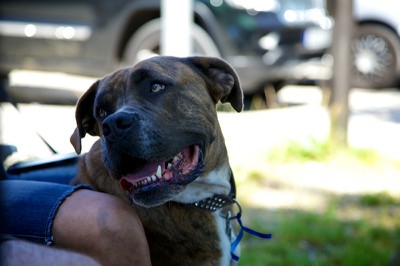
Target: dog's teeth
(169, 166)
(175, 160)
(154, 178)
(159, 172)
(144, 182)
(148, 179)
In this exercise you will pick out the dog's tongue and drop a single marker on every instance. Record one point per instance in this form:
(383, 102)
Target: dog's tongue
(147, 170)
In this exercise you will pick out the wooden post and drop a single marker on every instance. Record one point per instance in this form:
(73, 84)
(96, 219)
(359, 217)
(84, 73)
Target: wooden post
(341, 77)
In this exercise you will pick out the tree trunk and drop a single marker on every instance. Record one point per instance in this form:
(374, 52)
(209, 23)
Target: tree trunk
(340, 84)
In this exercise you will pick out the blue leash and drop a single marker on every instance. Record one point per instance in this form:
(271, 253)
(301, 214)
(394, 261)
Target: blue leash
(241, 233)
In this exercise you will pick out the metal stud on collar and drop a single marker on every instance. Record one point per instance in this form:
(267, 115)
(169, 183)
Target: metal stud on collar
(214, 203)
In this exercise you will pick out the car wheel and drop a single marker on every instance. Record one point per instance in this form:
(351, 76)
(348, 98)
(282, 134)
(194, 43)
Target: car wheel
(145, 42)
(376, 55)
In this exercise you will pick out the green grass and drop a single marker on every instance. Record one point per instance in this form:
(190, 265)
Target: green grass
(351, 229)
(313, 150)
(319, 151)
(306, 238)
(379, 199)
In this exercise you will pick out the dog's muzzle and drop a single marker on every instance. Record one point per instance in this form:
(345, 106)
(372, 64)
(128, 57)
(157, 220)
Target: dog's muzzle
(153, 183)
(175, 170)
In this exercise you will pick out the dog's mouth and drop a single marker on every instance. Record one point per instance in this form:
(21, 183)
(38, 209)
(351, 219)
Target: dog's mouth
(147, 176)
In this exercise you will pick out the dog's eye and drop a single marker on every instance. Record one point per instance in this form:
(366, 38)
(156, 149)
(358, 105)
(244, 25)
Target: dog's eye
(102, 113)
(157, 87)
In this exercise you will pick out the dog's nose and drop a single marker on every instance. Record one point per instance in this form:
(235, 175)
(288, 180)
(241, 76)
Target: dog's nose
(117, 124)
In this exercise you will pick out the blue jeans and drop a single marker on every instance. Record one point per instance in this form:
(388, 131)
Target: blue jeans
(28, 207)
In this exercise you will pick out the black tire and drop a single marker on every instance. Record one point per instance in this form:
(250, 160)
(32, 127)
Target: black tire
(376, 57)
(145, 42)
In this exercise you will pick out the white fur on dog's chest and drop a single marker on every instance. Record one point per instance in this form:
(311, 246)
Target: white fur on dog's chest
(224, 239)
(214, 183)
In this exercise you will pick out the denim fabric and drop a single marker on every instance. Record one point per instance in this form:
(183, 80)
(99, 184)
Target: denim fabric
(28, 208)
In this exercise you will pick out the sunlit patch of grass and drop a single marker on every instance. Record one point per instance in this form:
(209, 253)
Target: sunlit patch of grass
(296, 151)
(315, 150)
(364, 155)
(255, 176)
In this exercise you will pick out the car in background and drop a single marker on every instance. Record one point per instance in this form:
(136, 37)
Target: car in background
(267, 41)
(376, 45)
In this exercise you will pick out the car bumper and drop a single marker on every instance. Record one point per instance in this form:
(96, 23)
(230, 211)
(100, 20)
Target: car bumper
(251, 69)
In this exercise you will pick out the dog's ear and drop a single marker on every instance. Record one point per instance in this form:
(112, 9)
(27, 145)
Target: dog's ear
(223, 80)
(85, 121)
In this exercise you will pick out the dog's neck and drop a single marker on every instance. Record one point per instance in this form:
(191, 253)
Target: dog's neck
(214, 182)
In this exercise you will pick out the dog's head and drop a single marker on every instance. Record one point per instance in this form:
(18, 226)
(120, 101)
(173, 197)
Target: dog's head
(157, 122)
